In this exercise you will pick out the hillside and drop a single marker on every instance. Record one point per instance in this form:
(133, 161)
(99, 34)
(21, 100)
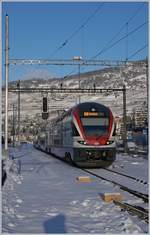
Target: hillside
(133, 75)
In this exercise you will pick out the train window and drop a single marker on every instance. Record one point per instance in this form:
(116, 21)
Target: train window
(95, 121)
(95, 126)
(67, 126)
(74, 130)
(95, 130)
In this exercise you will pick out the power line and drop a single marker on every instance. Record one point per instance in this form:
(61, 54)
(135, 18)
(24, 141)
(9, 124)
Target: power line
(127, 41)
(141, 49)
(146, 45)
(120, 30)
(122, 38)
(136, 12)
(66, 76)
(77, 30)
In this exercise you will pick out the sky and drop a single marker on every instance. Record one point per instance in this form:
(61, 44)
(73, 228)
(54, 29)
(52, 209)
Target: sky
(38, 29)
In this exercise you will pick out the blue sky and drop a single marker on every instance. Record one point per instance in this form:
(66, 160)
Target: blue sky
(37, 29)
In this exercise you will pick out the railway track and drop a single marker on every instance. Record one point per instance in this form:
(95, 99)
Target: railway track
(143, 196)
(134, 210)
(128, 176)
(141, 212)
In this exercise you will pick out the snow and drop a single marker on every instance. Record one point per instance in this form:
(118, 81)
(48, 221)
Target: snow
(122, 180)
(140, 77)
(43, 195)
(134, 77)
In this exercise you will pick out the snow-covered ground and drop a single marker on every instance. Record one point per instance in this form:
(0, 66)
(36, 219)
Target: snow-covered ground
(42, 195)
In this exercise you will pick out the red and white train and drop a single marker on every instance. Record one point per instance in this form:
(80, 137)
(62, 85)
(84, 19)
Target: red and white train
(82, 135)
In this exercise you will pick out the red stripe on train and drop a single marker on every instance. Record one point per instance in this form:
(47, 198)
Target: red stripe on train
(93, 140)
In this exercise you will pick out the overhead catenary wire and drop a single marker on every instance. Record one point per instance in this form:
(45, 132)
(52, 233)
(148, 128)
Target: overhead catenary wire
(139, 50)
(68, 75)
(120, 39)
(125, 25)
(77, 30)
(121, 28)
(131, 56)
(115, 36)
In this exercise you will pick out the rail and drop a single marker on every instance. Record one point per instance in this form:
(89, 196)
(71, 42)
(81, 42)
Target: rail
(141, 212)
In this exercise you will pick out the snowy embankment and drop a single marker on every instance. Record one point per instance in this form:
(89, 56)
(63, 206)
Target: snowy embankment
(42, 195)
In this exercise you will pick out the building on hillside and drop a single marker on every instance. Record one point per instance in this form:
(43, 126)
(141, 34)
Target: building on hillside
(140, 117)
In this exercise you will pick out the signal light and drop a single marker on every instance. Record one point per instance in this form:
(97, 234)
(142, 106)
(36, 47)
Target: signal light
(44, 104)
(45, 115)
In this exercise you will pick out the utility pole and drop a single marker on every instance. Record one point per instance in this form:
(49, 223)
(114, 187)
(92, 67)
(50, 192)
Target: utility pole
(124, 120)
(6, 80)
(147, 77)
(18, 86)
(13, 130)
(147, 82)
(78, 58)
(79, 84)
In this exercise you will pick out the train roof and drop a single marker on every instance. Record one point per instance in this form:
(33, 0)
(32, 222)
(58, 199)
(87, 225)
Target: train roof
(105, 108)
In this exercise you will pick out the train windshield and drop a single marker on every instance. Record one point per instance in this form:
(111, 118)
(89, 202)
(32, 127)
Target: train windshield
(95, 126)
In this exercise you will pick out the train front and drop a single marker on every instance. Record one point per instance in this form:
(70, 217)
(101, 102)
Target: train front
(93, 126)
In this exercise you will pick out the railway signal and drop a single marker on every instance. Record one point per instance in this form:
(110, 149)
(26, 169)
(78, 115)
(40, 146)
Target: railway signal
(44, 104)
(73, 62)
(45, 115)
(45, 110)
(93, 90)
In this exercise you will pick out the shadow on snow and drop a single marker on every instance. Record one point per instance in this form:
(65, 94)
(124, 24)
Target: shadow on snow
(55, 225)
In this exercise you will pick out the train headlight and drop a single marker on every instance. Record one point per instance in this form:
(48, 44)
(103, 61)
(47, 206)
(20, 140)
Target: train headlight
(110, 142)
(104, 154)
(88, 153)
(81, 142)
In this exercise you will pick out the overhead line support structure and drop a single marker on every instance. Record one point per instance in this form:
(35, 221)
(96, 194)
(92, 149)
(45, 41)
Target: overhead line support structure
(6, 81)
(82, 62)
(81, 91)
(124, 120)
(70, 62)
(63, 90)
(18, 86)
